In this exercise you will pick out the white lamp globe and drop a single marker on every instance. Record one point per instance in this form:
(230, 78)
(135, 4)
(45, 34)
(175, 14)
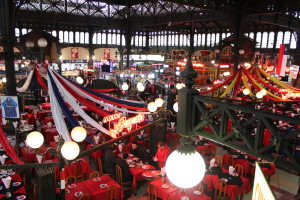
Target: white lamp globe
(31, 66)
(139, 84)
(185, 170)
(259, 95)
(35, 139)
(141, 88)
(70, 150)
(29, 44)
(42, 42)
(159, 102)
(264, 91)
(78, 134)
(175, 107)
(246, 91)
(177, 73)
(79, 80)
(125, 86)
(177, 68)
(183, 85)
(152, 107)
(4, 79)
(178, 86)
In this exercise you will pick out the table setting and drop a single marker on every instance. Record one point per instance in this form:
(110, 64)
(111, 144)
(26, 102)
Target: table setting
(12, 187)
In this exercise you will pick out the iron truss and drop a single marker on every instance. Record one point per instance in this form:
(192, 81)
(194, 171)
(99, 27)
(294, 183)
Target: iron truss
(211, 119)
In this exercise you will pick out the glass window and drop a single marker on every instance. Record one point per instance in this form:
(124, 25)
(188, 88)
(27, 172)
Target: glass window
(264, 40)
(66, 37)
(169, 40)
(95, 38)
(271, 40)
(213, 40)
(81, 38)
(17, 32)
(103, 38)
(86, 38)
(77, 37)
(251, 35)
(279, 39)
(114, 38)
(195, 40)
(287, 37)
(228, 34)
(118, 39)
(199, 40)
(223, 36)
(109, 38)
(258, 40)
(24, 31)
(203, 40)
(71, 37)
(61, 36)
(123, 40)
(54, 33)
(208, 40)
(176, 41)
(293, 41)
(217, 38)
(99, 38)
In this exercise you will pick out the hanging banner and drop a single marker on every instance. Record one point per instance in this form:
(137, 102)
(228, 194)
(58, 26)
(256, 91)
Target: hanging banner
(10, 107)
(294, 69)
(106, 53)
(261, 188)
(74, 53)
(282, 59)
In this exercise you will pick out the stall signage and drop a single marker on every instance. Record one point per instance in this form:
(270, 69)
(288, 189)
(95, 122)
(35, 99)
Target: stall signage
(124, 123)
(110, 118)
(222, 66)
(288, 94)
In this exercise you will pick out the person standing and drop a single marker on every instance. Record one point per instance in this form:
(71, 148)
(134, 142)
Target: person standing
(162, 153)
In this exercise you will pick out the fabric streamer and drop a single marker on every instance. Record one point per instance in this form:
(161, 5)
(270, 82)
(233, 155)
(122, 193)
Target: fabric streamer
(40, 80)
(230, 86)
(8, 148)
(27, 82)
(75, 106)
(95, 99)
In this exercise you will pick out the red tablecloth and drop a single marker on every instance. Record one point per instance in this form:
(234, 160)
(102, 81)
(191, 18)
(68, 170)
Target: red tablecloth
(50, 133)
(174, 192)
(71, 170)
(204, 149)
(40, 115)
(95, 155)
(30, 155)
(16, 190)
(231, 190)
(46, 106)
(137, 173)
(93, 190)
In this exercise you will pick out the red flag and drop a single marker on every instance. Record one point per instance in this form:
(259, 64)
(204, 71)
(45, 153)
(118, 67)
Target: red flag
(282, 59)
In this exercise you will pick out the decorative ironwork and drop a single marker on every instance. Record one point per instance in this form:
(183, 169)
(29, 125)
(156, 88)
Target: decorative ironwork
(212, 119)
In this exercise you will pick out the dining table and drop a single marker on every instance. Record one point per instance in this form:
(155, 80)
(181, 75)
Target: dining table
(235, 184)
(165, 190)
(30, 155)
(95, 188)
(17, 188)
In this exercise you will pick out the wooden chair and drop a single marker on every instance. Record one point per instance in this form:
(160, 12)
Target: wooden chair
(152, 192)
(111, 193)
(84, 197)
(239, 169)
(94, 174)
(119, 178)
(100, 168)
(78, 171)
(200, 187)
(218, 160)
(70, 180)
(220, 191)
(228, 160)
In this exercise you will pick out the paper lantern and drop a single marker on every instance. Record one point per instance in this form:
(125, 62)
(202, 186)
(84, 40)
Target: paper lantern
(259, 95)
(31, 66)
(264, 91)
(141, 88)
(70, 150)
(175, 107)
(43, 70)
(78, 134)
(159, 102)
(152, 107)
(42, 42)
(35, 139)
(178, 86)
(29, 44)
(185, 170)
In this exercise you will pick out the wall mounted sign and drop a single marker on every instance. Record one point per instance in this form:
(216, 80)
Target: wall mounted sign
(74, 53)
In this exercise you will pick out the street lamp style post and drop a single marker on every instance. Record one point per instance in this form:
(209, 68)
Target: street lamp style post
(65, 149)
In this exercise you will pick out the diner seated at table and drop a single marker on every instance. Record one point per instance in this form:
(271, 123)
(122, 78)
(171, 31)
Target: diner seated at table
(121, 162)
(110, 160)
(162, 153)
(139, 151)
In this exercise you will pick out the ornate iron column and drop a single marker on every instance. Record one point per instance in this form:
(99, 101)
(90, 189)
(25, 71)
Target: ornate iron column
(185, 96)
(7, 25)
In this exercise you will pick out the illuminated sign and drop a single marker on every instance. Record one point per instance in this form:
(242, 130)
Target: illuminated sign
(217, 82)
(124, 123)
(222, 66)
(194, 64)
(270, 69)
(112, 117)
